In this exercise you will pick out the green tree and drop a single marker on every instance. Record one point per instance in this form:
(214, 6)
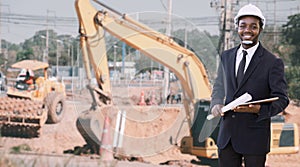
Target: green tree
(293, 79)
(25, 54)
(291, 35)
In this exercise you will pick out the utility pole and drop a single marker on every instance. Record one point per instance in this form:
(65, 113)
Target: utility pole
(166, 69)
(275, 27)
(46, 51)
(227, 27)
(228, 24)
(0, 28)
(115, 63)
(57, 55)
(45, 58)
(70, 53)
(46, 54)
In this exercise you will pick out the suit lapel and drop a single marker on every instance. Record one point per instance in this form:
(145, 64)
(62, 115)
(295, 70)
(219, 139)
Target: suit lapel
(232, 67)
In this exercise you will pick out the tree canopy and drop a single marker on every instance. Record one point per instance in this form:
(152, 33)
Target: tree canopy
(291, 35)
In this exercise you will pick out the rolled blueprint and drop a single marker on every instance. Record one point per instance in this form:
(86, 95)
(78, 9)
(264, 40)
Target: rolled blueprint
(240, 100)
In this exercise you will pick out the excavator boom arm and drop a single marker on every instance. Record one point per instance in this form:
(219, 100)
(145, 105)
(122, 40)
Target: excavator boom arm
(161, 48)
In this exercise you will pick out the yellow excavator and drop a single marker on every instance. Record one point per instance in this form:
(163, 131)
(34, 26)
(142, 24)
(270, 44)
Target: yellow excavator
(192, 75)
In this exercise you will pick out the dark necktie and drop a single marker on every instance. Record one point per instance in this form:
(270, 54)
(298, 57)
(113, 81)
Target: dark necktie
(240, 72)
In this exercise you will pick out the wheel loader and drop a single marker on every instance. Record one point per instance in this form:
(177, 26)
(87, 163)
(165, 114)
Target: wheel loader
(31, 102)
(183, 62)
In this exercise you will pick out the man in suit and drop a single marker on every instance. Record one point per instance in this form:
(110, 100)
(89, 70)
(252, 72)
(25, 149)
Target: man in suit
(244, 135)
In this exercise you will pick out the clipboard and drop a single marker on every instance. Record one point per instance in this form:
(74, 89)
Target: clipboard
(240, 100)
(261, 101)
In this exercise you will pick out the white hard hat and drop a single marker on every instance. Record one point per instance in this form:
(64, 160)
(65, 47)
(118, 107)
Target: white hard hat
(250, 10)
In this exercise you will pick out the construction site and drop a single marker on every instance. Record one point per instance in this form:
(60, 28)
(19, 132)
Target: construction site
(131, 96)
(58, 142)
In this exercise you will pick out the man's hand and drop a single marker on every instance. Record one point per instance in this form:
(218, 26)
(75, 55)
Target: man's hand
(251, 108)
(217, 110)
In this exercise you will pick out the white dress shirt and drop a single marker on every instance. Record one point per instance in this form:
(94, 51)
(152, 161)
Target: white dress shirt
(249, 56)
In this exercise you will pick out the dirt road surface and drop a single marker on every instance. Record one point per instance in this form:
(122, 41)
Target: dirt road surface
(48, 149)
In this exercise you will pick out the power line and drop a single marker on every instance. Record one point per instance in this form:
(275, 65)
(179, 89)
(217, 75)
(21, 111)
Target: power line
(37, 20)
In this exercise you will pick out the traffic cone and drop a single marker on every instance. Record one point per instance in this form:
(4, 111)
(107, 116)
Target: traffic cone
(106, 152)
(142, 99)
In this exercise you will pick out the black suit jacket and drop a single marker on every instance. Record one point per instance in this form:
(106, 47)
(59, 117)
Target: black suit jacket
(264, 78)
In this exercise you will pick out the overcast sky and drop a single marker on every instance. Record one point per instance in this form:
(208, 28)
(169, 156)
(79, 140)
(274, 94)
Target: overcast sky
(192, 8)
(65, 8)
(17, 31)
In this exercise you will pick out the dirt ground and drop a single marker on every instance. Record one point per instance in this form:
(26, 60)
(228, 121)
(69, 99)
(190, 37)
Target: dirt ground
(288, 160)
(146, 139)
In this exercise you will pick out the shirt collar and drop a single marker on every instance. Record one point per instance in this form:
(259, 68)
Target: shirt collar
(250, 51)
(239, 56)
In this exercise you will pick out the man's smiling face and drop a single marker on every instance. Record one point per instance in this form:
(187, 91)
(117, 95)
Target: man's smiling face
(249, 29)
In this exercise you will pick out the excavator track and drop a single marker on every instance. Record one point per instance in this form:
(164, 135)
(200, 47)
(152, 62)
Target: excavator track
(21, 117)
